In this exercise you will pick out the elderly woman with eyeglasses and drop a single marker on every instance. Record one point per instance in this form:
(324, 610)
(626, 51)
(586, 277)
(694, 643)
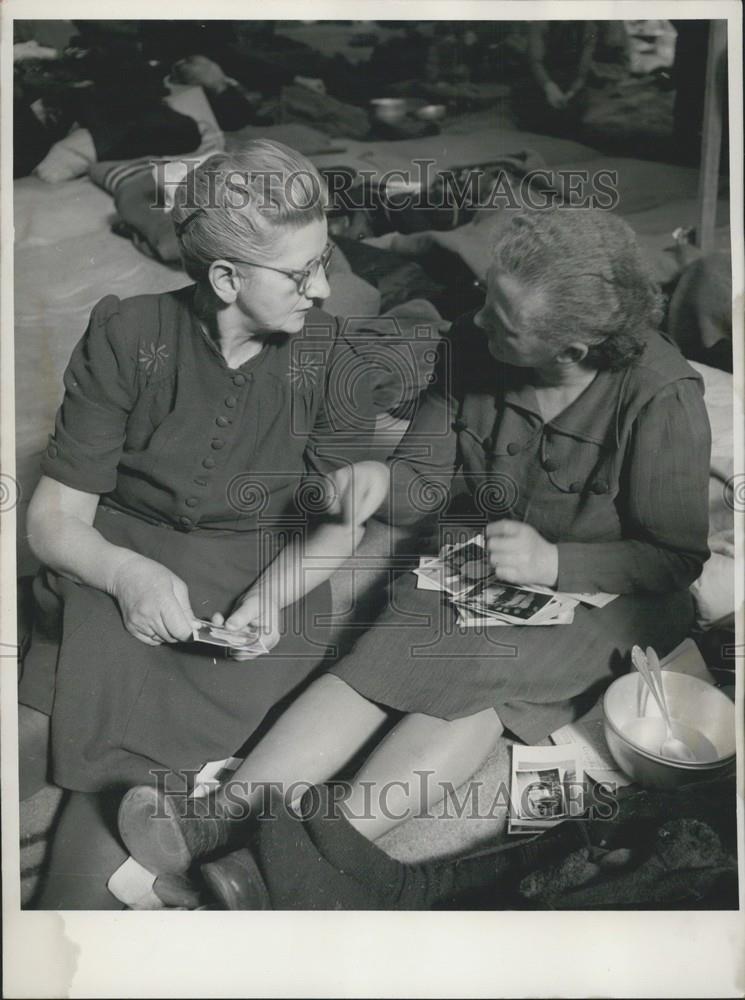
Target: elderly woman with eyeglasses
(194, 446)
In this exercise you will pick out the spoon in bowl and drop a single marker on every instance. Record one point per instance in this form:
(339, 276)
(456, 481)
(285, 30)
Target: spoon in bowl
(671, 747)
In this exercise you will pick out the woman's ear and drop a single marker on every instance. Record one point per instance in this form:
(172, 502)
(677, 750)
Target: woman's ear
(573, 354)
(224, 281)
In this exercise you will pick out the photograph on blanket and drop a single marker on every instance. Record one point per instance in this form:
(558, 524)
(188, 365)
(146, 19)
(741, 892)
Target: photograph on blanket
(347, 353)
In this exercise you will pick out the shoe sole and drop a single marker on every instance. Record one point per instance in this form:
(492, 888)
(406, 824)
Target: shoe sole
(236, 882)
(152, 833)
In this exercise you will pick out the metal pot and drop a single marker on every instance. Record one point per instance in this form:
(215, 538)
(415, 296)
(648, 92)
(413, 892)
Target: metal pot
(389, 109)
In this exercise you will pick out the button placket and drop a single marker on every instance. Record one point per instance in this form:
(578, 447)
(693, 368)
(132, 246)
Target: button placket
(547, 463)
(239, 380)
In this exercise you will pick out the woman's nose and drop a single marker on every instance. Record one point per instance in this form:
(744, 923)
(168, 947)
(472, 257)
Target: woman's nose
(318, 287)
(478, 320)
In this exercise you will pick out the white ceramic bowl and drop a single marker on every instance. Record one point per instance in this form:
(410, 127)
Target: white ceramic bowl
(692, 702)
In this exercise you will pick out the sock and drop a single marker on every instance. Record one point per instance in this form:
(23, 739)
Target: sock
(296, 874)
(69, 158)
(429, 884)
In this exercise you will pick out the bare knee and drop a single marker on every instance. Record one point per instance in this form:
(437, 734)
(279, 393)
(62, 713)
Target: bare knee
(335, 693)
(486, 724)
(330, 684)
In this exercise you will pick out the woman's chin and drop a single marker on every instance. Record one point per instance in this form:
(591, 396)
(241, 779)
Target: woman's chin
(294, 323)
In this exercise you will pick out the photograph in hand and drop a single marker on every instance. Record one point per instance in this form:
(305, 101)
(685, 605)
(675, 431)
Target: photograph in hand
(457, 570)
(246, 640)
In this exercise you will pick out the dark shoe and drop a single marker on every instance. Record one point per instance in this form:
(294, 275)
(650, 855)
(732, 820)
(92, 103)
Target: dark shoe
(236, 882)
(177, 892)
(166, 834)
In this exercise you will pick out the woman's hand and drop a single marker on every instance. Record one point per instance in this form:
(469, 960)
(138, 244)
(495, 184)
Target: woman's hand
(520, 554)
(153, 601)
(575, 88)
(555, 95)
(258, 610)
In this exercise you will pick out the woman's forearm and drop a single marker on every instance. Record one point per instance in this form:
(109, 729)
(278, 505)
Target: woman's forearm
(61, 535)
(625, 567)
(304, 564)
(76, 550)
(537, 53)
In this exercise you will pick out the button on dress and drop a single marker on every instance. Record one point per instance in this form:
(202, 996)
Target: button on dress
(204, 469)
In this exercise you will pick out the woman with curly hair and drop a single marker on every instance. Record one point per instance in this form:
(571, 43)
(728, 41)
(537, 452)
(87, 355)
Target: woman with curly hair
(583, 440)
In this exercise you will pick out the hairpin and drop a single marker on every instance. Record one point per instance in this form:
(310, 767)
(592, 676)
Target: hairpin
(180, 227)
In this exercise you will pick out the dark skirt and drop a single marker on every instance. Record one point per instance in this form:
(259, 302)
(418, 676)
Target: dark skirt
(537, 678)
(120, 708)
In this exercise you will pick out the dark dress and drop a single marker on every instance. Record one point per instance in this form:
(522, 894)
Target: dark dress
(619, 480)
(208, 470)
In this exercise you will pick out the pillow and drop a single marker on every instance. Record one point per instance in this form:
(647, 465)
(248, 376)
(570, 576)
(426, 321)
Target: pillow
(714, 591)
(304, 138)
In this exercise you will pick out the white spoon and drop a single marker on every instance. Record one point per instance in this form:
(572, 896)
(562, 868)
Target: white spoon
(671, 746)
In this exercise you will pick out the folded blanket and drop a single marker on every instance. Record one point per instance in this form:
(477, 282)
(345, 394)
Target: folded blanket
(299, 104)
(304, 138)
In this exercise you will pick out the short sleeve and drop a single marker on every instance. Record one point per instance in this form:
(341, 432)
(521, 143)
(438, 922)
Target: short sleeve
(344, 429)
(100, 390)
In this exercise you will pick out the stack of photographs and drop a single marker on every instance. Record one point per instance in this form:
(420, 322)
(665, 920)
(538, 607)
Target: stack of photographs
(546, 788)
(247, 640)
(464, 573)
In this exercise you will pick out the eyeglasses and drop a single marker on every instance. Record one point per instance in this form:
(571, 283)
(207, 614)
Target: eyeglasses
(304, 278)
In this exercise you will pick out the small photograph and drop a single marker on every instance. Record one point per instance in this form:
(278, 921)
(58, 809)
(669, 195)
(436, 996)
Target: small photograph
(541, 794)
(217, 636)
(469, 562)
(459, 570)
(501, 599)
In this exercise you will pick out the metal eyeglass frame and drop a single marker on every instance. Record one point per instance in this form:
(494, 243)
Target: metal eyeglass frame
(302, 278)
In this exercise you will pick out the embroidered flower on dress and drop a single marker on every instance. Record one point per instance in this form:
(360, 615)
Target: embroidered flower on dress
(152, 357)
(304, 372)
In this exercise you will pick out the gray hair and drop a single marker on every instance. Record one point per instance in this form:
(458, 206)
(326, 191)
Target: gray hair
(589, 265)
(238, 204)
